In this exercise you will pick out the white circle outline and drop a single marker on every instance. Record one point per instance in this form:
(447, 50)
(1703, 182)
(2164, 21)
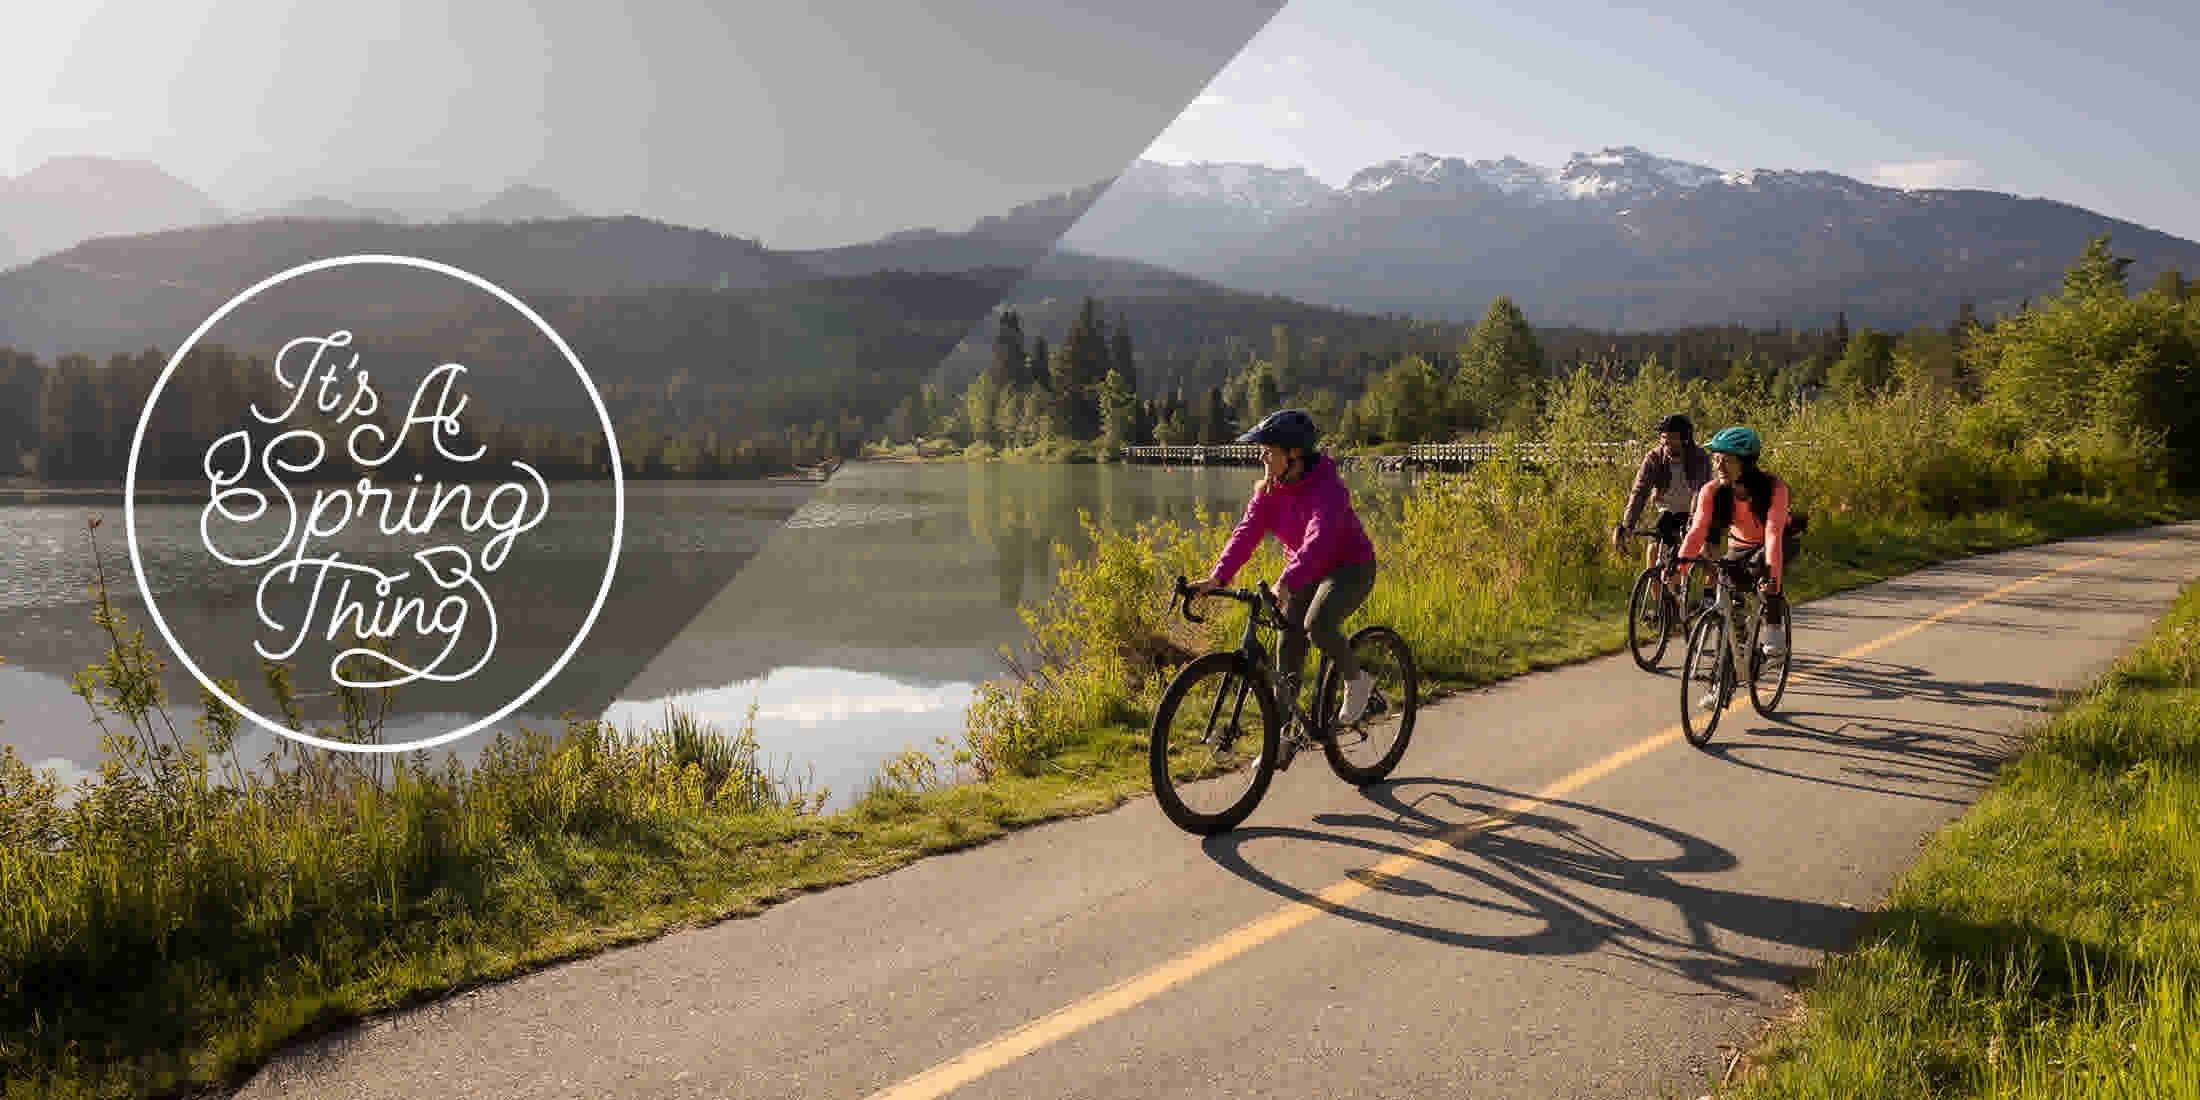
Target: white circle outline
(145, 419)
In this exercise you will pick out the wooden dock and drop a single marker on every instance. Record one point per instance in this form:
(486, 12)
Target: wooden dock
(1420, 456)
(820, 472)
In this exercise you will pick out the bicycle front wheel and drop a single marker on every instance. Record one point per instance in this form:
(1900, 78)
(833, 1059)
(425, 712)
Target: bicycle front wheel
(1707, 679)
(1210, 753)
(1768, 663)
(1367, 750)
(1650, 613)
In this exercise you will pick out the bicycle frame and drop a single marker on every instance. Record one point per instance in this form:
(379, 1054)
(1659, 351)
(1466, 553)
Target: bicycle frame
(1261, 610)
(1668, 555)
(1734, 602)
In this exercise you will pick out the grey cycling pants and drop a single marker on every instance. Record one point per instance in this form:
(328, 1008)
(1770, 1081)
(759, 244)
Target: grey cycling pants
(1321, 608)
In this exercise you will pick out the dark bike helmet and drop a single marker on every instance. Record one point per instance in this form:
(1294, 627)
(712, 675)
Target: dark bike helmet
(1287, 428)
(1678, 423)
(1738, 441)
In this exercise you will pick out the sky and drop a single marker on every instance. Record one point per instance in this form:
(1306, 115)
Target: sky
(2092, 107)
(807, 125)
(803, 125)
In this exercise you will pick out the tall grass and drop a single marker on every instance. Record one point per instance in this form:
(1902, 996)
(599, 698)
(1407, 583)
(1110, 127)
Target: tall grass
(181, 912)
(2048, 944)
(220, 910)
(1507, 568)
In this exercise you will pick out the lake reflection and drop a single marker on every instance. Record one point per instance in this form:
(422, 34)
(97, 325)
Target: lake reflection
(857, 617)
(867, 622)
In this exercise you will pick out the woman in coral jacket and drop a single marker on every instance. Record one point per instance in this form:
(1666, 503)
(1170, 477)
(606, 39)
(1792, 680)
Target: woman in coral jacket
(1330, 566)
(1752, 508)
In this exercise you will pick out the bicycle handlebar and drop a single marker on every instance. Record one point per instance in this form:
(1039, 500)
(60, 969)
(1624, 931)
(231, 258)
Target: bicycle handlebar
(1729, 568)
(1738, 563)
(1259, 596)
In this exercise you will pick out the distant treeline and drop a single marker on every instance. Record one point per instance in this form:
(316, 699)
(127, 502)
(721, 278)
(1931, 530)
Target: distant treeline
(71, 421)
(1373, 381)
(709, 386)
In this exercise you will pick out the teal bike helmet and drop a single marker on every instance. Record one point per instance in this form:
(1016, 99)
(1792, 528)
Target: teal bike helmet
(1738, 441)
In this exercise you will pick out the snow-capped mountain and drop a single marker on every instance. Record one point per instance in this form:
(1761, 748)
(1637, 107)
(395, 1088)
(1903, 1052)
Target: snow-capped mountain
(1628, 172)
(1176, 212)
(1257, 190)
(1514, 176)
(1418, 170)
(1618, 238)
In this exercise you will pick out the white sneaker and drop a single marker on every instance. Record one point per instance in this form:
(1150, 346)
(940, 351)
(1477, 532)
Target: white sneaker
(1775, 640)
(1710, 701)
(1356, 693)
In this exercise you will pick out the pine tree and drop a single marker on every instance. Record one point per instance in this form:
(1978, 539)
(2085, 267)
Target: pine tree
(1008, 351)
(2097, 273)
(1263, 395)
(981, 403)
(1118, 412)
(1123, 358)
(1966, 320)
(1866, 366)
(1042, 365)
(1499, 366)
(1214, 424)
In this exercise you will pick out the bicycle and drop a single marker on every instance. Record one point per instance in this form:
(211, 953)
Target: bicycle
(1654, 614)
(1715, 656)
(1210, 772)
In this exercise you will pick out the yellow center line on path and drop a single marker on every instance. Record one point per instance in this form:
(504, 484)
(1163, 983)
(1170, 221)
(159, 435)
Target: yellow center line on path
(1091, 1009)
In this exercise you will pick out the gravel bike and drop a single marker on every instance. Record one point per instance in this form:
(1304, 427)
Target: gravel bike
(1212, 762)
(1654, 613)
(1726, 644)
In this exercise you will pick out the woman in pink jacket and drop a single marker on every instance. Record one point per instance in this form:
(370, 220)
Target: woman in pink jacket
(1330, 563)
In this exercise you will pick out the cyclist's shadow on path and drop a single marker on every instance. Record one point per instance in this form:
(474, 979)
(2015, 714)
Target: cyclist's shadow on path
(1545, 870)
(1845, 746)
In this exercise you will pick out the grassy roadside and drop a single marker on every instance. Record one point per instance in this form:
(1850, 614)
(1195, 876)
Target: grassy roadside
(2047, 944)
(222, 926)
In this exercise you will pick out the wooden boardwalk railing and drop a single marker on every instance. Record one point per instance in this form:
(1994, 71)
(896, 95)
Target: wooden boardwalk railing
(1417, 456)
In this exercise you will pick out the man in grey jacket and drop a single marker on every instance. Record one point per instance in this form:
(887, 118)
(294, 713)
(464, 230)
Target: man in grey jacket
(1671, 474)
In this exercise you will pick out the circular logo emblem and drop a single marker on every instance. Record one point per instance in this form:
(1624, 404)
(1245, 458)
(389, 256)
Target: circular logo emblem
(336, 552)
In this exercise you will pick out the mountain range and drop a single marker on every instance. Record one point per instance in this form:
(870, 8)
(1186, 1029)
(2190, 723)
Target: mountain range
(1619, 239)
(68, 200)
(122, 255)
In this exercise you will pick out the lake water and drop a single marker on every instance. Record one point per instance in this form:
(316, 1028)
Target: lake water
(857, 616)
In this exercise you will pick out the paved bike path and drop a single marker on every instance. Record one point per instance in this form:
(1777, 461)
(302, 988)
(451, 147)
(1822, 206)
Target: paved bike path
(1634, 903)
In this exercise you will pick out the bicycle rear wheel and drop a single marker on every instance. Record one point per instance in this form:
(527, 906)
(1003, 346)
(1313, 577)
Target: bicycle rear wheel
(1650, 614)
(1367, 750)
(1768, 665)
(1210, 761)
(1707, 678)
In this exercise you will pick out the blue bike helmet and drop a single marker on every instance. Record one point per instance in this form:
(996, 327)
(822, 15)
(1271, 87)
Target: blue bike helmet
(1738, 441)
(1287, 428)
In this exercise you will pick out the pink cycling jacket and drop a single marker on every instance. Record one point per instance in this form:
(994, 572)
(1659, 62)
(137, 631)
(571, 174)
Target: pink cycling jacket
(1313, 519)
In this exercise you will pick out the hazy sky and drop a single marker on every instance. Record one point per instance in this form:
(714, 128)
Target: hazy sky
(804, 124)
(2076, 103)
